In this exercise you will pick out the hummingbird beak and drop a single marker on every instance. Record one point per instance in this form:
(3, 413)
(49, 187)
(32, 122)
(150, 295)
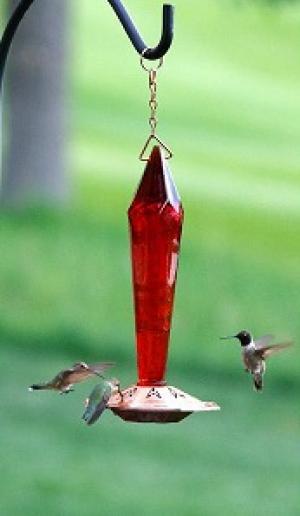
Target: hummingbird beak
(229, 337)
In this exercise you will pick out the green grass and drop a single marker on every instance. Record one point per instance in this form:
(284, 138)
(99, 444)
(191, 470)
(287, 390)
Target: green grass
(229, 106)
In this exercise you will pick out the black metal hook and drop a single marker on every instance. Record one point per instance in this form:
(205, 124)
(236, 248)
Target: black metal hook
(167, 30)
(152, 53)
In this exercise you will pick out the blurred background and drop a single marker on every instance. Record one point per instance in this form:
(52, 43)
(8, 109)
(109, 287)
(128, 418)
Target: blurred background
(75, 119)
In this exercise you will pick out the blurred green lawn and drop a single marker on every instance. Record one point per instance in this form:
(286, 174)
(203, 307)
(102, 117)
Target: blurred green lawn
(229, 105)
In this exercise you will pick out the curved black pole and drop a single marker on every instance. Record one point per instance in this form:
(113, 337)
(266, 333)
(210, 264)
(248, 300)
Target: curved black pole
(134, 36)
(9, 32)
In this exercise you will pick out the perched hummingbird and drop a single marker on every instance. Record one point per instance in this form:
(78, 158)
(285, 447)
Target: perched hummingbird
(96, 403)
(64, 380)
(255, 352)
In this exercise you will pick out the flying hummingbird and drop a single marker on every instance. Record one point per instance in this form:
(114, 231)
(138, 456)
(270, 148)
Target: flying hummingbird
(64, 380)
(255, 352)
(96, 403)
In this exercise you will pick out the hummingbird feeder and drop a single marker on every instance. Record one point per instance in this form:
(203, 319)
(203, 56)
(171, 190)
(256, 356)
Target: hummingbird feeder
(155, 220)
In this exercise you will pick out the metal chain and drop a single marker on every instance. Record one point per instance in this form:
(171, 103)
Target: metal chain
(153, 104)
(153, 101)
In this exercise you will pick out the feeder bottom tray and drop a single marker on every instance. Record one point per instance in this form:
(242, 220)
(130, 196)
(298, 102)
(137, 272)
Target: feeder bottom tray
(157, 404)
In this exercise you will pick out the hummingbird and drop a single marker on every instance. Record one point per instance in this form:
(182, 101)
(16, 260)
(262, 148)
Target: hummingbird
(64, 380)
(255, 352)
(96, 403)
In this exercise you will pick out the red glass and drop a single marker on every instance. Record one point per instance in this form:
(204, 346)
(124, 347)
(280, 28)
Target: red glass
(155, 218)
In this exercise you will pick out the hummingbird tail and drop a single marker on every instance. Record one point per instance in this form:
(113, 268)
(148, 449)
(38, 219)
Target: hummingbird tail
(36, 387)
(258, 382)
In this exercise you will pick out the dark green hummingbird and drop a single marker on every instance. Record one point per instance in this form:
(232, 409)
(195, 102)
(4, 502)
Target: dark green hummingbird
(255, 352)
(97, 402)
(64, 380)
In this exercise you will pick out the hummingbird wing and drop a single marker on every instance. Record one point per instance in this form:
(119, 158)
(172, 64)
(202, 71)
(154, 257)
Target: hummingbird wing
(77, 376)
(267, 351)
(263, 341)
(100, 367)
(97, 402)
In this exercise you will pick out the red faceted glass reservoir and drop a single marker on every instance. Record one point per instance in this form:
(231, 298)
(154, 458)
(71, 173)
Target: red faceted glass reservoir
(155, 218)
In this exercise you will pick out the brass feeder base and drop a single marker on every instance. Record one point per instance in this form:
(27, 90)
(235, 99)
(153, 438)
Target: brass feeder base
(157, 404)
